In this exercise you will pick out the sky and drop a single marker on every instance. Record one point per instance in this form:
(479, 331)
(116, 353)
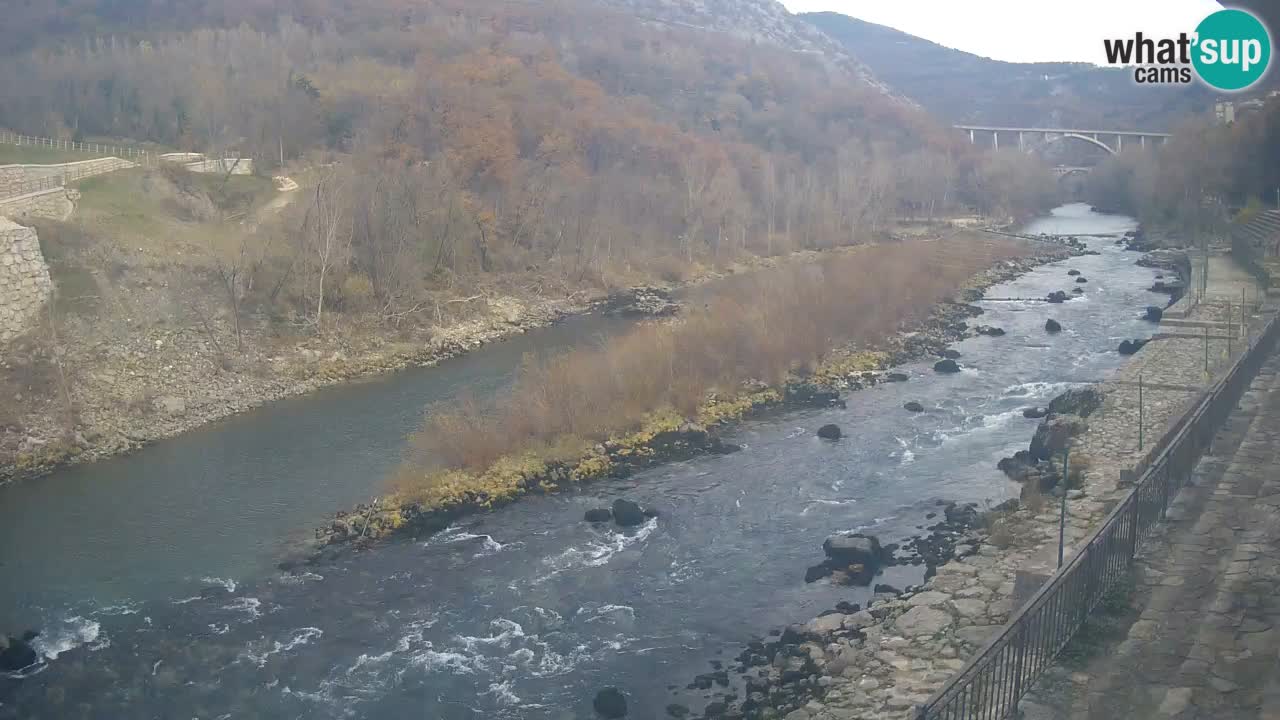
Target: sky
(1024, 30)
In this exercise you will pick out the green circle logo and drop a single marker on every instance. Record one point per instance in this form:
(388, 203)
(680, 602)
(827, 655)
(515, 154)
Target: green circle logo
(1233, 50)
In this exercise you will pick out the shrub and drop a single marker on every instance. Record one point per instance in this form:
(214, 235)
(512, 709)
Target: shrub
(761, 326)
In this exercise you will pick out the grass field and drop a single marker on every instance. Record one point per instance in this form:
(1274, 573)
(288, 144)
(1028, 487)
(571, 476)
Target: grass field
(34, 155)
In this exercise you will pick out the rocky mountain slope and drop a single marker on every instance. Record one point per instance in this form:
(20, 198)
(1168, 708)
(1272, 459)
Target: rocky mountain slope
(960, 87)
(758, 21)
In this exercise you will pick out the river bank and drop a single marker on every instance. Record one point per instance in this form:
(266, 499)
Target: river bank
(882, 661)
(130, 387)
(671, 436)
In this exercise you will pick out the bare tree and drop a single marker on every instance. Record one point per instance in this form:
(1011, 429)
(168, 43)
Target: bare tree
(328, 231)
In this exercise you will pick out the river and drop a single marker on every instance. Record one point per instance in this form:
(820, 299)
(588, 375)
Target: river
(153, 576)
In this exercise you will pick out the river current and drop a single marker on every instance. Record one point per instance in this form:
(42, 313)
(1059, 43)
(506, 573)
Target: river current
(152, 577)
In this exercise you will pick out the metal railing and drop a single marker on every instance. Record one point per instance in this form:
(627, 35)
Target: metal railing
(990, 685)
(138, 155)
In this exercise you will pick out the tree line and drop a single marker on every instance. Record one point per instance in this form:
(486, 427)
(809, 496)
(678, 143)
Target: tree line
(1202, 176)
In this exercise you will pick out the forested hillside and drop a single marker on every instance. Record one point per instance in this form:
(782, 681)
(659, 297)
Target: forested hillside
(579, 138)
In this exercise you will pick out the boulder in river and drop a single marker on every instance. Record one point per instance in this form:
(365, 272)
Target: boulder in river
(830, 432)
(949, 354)
(1057, 296)
(1052, 326)
(849, 548)
(989, 330)
(896, 377)
(1019, 467)
(946, 366)
(1130, 347)
(1035, 413)
(1077, 291)
(627, 513)
(913, 406)
(965, 516)
(17, 653)
(1154, 313)
(1082, 279)
(1077, 401)
(598, 515)
(1073, 272)
(610, 703)
(1055, 434)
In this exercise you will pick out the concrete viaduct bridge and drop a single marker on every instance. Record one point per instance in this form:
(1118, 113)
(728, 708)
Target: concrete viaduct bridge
(1110, 140)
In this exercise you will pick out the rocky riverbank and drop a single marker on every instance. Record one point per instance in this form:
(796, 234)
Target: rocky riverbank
(166, 381)
(885, 660)
(670, 437)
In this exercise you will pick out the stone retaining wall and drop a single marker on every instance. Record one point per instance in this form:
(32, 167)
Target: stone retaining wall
(17, 179)
(55, 203)
(25, 284)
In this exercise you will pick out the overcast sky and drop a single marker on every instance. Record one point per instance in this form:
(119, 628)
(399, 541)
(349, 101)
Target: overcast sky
(1024, 30)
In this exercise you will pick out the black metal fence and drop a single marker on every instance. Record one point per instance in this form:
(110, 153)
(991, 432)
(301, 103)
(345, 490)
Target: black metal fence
(990, 685)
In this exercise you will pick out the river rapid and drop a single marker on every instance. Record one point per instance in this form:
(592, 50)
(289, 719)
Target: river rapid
(153, 580)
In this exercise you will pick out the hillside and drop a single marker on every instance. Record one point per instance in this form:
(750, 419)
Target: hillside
(467, 169)
(960, 87)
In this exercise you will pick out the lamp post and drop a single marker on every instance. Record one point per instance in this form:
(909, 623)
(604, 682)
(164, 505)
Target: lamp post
(1062, 513)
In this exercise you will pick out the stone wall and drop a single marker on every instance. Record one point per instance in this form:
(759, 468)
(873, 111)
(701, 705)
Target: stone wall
(25, 284)
(199, 163)
(17, 179)
(55, 203)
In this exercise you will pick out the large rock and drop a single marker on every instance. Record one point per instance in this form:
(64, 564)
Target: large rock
(830, 432)
(627, 513)
(171, 405)
(1154, 313)
(826, 624)
(1018, 468)
(946, 366)
(1055, 434)
(1130, 347)
(1035, 413)
(17, 653)
(989, 330)
(1052, 326)
(1073, 272)
(923, 620)
(598, 515)
(913, 406)
(962, 515)
(1057, 296)
(1082, 280)
(1078, 401)
(851, 548)
(610, 703)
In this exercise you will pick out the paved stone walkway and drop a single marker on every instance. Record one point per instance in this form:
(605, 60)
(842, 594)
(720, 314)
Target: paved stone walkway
(1206, 642)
